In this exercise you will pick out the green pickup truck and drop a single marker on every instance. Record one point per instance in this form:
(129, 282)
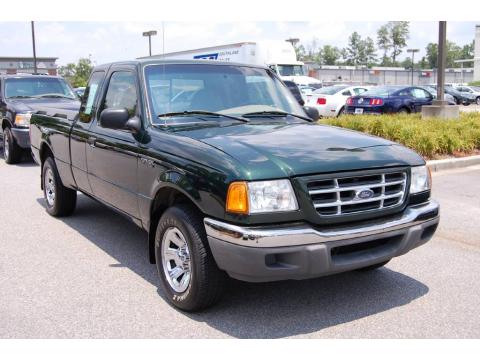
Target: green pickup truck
(231, 177)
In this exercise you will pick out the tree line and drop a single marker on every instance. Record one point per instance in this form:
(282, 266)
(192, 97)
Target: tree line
(390, 42)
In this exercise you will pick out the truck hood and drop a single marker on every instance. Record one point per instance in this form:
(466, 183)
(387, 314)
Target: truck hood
(272, 150)
(33, 104)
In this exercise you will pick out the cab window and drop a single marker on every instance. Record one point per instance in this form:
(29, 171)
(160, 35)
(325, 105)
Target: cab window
(90, 96)
(122, 92)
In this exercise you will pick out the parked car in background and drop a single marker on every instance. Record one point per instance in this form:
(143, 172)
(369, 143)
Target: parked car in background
(330, 100)
(306, 90)
(295, 91)
(79, 91)
(20, 96)
(238, 180)
(470, 90)
(447, 97)
(389, 99)
(460, 98)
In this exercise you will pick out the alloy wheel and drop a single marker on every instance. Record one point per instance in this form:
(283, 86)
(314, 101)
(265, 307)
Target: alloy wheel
(176, 260)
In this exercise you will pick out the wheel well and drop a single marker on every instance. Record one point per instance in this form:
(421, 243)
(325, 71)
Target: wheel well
(165, 198)
(45, 151)
(5, 124)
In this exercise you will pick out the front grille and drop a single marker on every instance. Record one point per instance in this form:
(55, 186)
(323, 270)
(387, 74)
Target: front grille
(356, 194)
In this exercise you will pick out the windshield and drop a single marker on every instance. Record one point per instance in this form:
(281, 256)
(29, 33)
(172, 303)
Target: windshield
(225, 89)
(330, 90)
(36, 87)
(291, 70)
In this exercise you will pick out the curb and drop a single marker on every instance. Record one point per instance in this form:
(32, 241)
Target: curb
(446, 164)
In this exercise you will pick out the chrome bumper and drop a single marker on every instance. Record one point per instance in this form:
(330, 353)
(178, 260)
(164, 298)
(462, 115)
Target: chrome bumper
(304, 234)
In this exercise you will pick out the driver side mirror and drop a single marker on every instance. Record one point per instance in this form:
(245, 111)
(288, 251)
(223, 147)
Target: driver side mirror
(119, 119)
(312, 112)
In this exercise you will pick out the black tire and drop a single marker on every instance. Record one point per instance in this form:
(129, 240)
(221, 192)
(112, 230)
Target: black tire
(207, 281)
(64, 199)
(341, 112)
(374, 266)
(403, 111)
(12, 153)
(478, 100)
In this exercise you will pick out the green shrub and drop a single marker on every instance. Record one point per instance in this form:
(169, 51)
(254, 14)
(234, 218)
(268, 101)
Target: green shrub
(432, 138)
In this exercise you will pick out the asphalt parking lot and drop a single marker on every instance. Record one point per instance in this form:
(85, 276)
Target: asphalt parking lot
(87, 276)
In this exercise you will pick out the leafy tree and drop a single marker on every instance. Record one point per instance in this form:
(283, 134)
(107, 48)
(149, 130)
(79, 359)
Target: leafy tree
(355, 49)
(468, 50)
(360, 51)
(300, 52)
(454, 52)
(384, 43)
(423, 63)
(369, 52)
(77, 74)
(407, 63)
(329, 55)
(399, 31)
(392, 37)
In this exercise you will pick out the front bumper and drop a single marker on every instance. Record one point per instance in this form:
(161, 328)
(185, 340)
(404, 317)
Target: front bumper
(22, 137)
(270, 253)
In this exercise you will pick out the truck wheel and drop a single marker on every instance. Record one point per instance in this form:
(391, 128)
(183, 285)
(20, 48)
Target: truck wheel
(188, 273)
(374, 266)
(60, 200)
(12, 153)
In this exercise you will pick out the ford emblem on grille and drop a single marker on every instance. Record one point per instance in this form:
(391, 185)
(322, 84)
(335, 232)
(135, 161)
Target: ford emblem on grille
(360, 100)
(364, 194)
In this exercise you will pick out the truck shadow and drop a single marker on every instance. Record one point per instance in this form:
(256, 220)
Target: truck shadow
(270, 310)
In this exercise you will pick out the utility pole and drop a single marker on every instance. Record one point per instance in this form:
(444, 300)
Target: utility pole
(150, 34)
(413, 51)
(442, 59)
(439, 107)
(34, 51)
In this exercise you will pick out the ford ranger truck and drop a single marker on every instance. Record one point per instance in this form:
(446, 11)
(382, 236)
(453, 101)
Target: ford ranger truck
(20, 96)
(230, 177)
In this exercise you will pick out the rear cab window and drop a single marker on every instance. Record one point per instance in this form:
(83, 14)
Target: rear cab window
(90, 96)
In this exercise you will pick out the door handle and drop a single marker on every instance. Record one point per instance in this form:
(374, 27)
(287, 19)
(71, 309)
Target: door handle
(91, 141)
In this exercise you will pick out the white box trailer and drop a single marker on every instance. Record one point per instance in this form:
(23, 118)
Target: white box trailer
(278, 55)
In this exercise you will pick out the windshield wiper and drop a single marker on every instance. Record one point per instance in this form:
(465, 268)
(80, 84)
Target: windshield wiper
(201, 112)
(275, 113)
(20, 97)
(53, 96)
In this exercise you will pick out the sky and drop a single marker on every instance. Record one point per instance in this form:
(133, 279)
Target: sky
(112, 41)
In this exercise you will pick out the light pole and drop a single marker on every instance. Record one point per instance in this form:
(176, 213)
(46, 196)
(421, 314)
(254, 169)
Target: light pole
(413, 51)
(293, 41)
(34, 51)
(150, 34)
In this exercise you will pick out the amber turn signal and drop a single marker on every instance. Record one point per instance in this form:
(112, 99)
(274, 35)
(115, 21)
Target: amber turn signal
(237, 198)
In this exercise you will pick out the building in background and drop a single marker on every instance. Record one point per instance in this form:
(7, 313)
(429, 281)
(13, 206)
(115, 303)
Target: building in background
(15, 65)
(378, 75)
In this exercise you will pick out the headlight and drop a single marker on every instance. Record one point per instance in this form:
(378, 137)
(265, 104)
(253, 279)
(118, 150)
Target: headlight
(261, 197)
(23, 119)
(421, 179)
